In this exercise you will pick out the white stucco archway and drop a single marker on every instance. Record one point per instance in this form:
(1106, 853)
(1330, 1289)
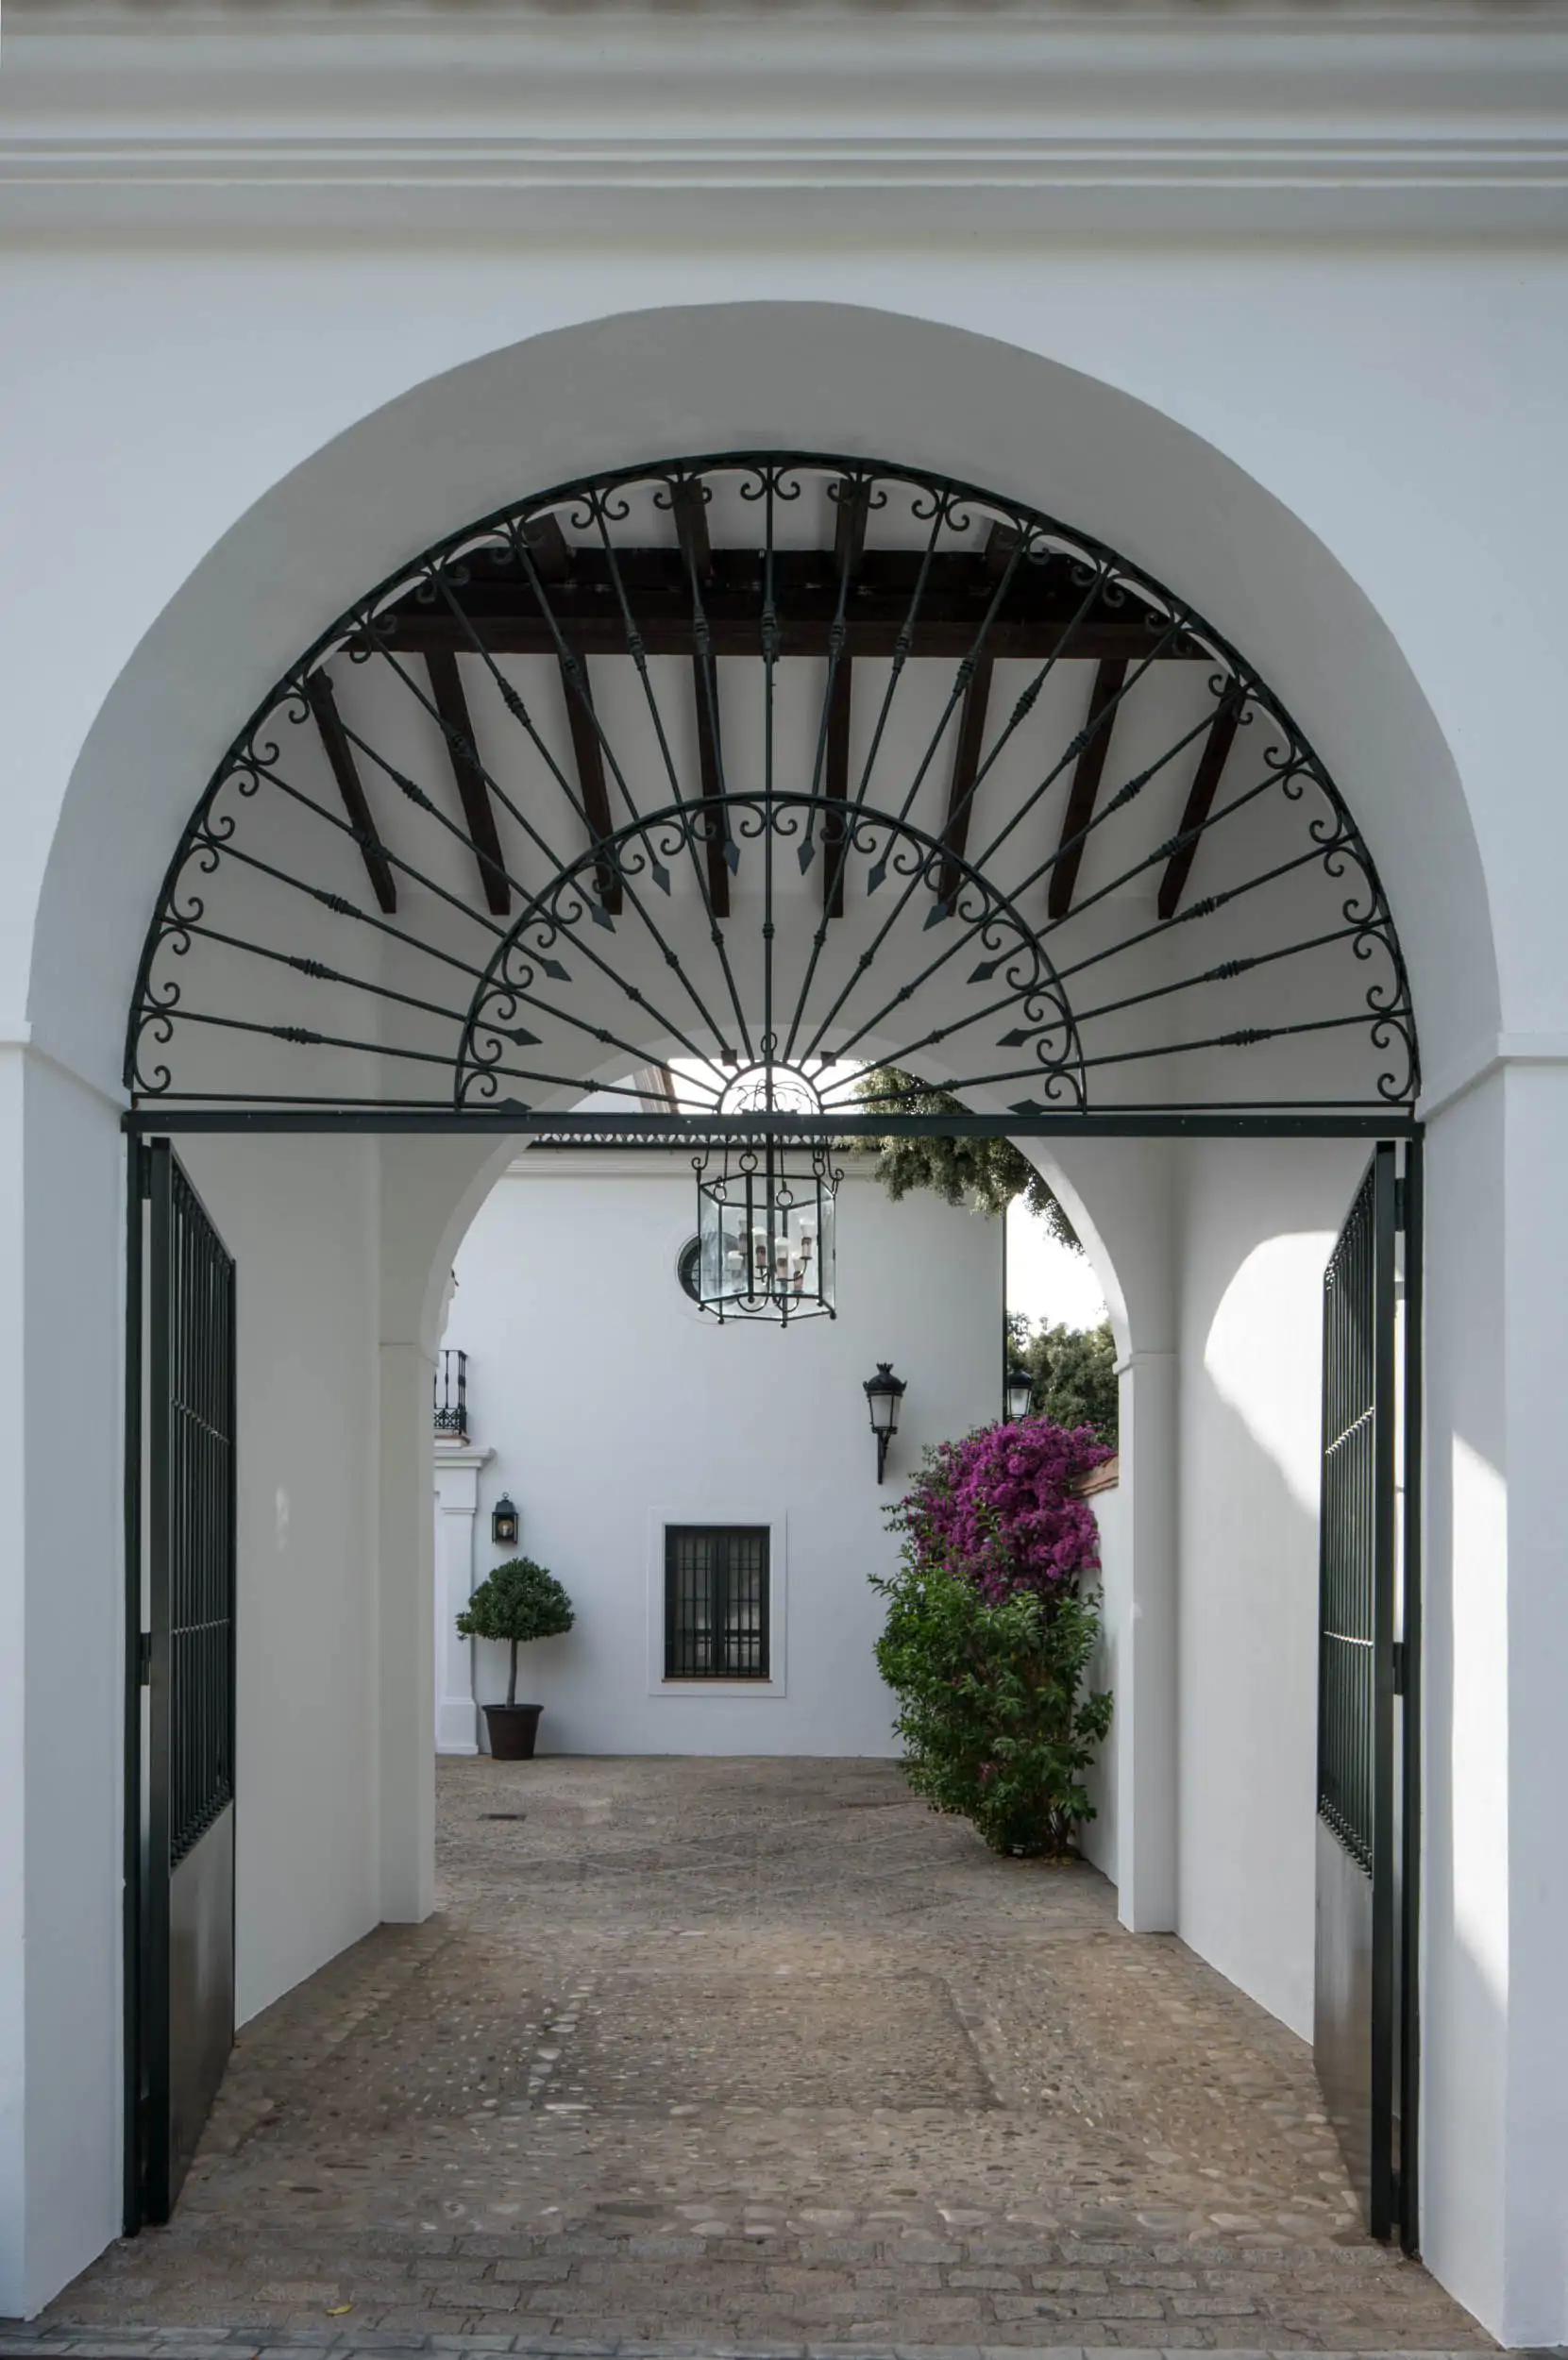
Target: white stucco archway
(618, 390)
(733, 376)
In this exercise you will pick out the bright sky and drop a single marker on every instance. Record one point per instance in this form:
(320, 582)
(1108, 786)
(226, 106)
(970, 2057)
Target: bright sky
(1045, 1280)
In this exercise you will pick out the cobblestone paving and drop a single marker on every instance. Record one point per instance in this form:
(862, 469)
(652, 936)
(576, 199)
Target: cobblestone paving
(709, 2052)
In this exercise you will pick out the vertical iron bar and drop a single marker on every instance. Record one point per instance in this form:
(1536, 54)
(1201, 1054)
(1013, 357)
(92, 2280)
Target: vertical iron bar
(155, 1921)
(1382, 1566)
(1410, 2073)
(131, 2128)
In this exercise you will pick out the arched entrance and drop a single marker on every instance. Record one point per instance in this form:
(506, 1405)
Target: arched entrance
(742, 377)
(824, 782)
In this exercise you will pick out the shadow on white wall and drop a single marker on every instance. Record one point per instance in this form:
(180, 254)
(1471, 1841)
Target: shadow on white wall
(1262, 1354)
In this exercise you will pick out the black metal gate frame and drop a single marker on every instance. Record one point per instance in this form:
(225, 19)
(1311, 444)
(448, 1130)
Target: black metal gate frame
(698, 1130)
(675, 1131)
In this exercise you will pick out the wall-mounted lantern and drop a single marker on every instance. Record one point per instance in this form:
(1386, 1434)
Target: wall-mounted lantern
(883, 1392)
(503, 1523)
(1018, 1392)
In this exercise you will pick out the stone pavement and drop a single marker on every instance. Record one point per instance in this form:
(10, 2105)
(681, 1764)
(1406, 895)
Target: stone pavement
(706, 2053)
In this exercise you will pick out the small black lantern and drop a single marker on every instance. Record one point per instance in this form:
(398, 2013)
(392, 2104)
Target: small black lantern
(1018, 1392)
(883, 1392)
(503, 1523)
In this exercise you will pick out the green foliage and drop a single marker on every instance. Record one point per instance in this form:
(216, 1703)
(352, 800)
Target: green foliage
(519, 1601)
(990, 1704)
(989, 1173)
(1074, 1373)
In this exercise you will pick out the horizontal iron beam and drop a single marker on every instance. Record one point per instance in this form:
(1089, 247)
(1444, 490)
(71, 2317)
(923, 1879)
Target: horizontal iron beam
(695, 1130)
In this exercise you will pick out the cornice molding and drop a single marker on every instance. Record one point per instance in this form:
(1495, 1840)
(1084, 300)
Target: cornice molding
(1448, 120)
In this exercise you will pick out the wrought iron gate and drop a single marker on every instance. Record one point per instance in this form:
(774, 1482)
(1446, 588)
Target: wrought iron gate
(182, 1303)
(1365, 2017)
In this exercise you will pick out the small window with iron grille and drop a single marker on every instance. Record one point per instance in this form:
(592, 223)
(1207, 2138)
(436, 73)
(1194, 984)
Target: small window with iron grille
(717, 1602)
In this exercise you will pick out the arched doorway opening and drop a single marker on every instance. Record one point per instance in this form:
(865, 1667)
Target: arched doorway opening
(739, 799)
(726, 379)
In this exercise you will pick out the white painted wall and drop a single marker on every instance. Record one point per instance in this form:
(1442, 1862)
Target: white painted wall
(298, 1215)
(1299, 434)
(612, 1404)
(1255, 1225)
(60, 1707)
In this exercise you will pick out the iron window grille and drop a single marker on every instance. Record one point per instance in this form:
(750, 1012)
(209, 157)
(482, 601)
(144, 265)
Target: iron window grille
(451, 1397)
(718, 1580)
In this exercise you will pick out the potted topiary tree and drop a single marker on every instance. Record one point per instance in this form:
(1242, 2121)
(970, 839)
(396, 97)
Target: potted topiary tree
(519, 1601)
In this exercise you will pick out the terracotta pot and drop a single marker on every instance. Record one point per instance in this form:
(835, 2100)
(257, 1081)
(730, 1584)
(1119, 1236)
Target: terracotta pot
(513, 1730)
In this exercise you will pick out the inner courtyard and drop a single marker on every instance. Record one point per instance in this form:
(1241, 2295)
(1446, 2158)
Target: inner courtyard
(764, 2054)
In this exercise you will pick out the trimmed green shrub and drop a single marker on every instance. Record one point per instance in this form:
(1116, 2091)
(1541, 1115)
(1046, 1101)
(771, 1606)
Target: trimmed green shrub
(990, 1704)
(519, 1601)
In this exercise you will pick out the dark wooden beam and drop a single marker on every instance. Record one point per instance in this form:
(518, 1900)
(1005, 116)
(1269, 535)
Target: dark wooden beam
(318, 692)
(1086, 773)
(474, 795)
(1037, 616)
(966, 765)
(691, 527)
(852, 513)
(593, 790)
(1001, 541)
(836, 786)
(704, 681)
(550, 548)
(1200, 802)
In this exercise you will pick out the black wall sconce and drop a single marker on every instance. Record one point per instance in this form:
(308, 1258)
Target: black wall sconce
(1018, 1392)
(503, 1523)
(883, 1392)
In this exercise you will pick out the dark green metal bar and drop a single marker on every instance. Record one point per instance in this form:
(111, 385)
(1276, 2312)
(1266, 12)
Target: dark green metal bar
(1381, 2209)
(136, 1171)
(683, 1130)
(1410, 1932)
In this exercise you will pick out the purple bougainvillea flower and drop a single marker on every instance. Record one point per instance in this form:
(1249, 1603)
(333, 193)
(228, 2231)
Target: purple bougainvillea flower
(1000, 1507)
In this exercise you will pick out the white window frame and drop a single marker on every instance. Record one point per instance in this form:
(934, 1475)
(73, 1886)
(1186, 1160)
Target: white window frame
(722, 1511)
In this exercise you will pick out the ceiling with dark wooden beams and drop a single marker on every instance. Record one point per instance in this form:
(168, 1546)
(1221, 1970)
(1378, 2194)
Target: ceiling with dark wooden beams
(774, 766)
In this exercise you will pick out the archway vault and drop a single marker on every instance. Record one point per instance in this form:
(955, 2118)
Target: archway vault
(819, 782)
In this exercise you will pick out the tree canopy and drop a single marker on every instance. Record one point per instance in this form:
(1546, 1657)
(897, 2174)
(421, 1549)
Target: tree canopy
(988, 1171)
(1073, 1371)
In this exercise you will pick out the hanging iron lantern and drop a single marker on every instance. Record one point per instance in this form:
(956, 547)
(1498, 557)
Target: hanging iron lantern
(765, 1231)
(765, 1208)
(884, 1393)
(503, 1523)
(1018, 1392)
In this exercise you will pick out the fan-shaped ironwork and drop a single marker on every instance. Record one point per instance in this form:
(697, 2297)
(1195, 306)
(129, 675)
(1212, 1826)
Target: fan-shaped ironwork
(817, 768)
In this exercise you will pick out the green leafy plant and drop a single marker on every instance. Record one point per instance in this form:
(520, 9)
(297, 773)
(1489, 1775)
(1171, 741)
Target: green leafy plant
(519, 1601)
(1073, 1371)
(992, 1709)
(988, 1172)
(992, 1619)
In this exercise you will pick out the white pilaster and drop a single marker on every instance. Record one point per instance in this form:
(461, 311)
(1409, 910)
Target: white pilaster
(456, 1472)
(1144, 1728)
(407, 1625)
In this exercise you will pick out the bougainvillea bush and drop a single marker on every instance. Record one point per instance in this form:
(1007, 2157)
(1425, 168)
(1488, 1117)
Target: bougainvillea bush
(992, 1619)
(999, 1507)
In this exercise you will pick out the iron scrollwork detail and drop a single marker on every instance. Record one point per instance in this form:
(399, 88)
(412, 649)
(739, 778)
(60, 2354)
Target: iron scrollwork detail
(774, 757)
